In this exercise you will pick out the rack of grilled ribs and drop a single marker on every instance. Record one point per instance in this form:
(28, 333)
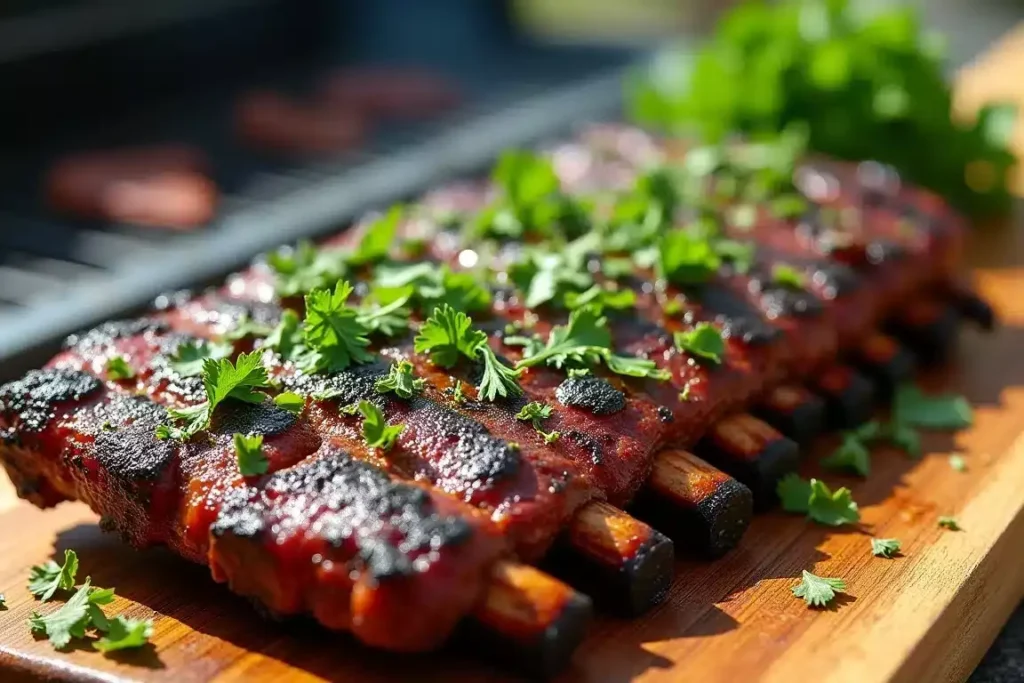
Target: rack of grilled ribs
(401, 547)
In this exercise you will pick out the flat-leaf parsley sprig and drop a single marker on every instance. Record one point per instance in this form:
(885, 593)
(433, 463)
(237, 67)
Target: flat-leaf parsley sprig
(448, 335)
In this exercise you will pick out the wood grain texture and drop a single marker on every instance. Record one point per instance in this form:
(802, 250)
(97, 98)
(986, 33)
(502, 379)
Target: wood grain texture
(927, 615)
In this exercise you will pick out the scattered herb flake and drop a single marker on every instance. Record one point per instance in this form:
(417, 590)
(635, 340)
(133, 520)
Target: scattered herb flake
(794, 493)
(885, 547)
(291, 402)
(123, 633)
(119, 369)
(333, 331)
(831, 508)
(946, 411)
(704, 341)
(401, 380)
(45, 579)
(787, 276)
(376, 431)
(851, 454)
(187, 360)
(535, 413)
(818, 591)
(957, 462)
(249, 454)
(948, 522)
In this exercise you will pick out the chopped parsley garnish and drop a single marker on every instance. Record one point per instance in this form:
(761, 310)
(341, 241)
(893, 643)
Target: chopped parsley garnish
(602, 297)
(535, 413)
(306, 268)
(896, 433)
(704, 341)
(816, 500)
(948, 522)
(458, 394)
(221, 381)
(333, 332)
(123, 633)
(787, 276)
(818, 591)
(187, 360)
(428, 285)
(851, 454)
(885, 547)
(946, 411)
(74, 617)
(685, 259)
(286, 337)
(377, 239)
(547, 277)
(46, 579)
(291, 402)
(448, 334)
(530, 201)
(389, 320)
(249, 454)
(376, 431)
(401, 380)
(118, 369)
(739, 254)
(957, 462)
(583, 341)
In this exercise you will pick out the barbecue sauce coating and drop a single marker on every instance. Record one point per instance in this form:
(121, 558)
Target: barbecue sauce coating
(397, 546)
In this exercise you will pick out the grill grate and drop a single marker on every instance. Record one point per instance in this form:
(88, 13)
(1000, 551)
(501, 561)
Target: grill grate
(57, 276)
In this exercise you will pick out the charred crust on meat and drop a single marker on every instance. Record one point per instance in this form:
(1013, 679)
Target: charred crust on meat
(473, 457)
(665, 414)
(229, 313)
(131, 454)
(835, 279)
(349, 386)
(265, 419)
(109, 332)
(392, 527)
(591, 393)
(881, 251)
(32, 400)
(589, 443)
(739, 319)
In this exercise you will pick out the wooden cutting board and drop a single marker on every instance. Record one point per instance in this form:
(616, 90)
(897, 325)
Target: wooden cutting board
(927, 615)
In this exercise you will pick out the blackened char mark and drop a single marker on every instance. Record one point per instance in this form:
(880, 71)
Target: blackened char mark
(473, 457)
(124, 430)
(32, 399)
(591, 393)
(109, 332)
(231, 312)
(391, 526)
(350, 386)
(265, 419)
(739, 318)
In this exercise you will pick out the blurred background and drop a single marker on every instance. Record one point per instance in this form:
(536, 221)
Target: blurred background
(153, 145)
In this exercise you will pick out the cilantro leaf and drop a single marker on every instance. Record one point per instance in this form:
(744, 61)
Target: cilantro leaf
(794, 493)
(948, 522)
(401, 380)
(898, 434)
(123, 633)
(885, 547)
(187, 360)
(3, 601)
(446, 335)
(286, 338)
(306, 268)
(787, 276)
(535, 413)
(602, 297)
(429, 286)
(947, 411)
(550, 277)
(118, 369)
(851, 454)
(498, 379)
(249, 454)
(221, 380)
(390, 319)
(818, 591)
(833, 509)
(957, 462)
(376, 431)
(333, 332)
(377, 239)
(703, 341)
(635, 367)
(44, 580)
(291, 402)
(70, 621)
(581, 340)
(686, 259)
